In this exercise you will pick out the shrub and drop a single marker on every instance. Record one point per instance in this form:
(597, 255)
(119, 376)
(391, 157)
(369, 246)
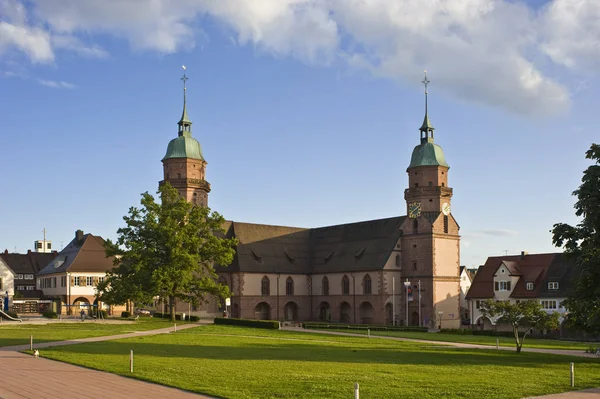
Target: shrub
(194, 318)
(50, 315)
(11, 314)
(334, 326)
(125, 314)
(268, 324)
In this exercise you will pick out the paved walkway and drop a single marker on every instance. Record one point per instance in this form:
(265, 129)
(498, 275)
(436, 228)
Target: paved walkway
(585, 394)
(566, 352)
(23, 376)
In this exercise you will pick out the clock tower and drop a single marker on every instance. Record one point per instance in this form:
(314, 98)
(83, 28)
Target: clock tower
(431, 241)
(184, 166)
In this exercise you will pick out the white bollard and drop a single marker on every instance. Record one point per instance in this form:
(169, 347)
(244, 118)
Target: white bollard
(356, 392)
(131, 361)
(369, 333)
(31, 342)
(497, 344)
(175, 327)
(572, 375)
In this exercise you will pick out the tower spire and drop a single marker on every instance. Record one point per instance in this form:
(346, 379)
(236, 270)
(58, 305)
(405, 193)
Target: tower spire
(427, 127)
(185, 125)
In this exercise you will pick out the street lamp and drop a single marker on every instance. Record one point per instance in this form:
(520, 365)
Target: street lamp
(441, 314)
(406, 284)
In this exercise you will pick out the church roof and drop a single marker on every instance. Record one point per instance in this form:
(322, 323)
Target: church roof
(341, 248)
(184, 146)
(428, 154)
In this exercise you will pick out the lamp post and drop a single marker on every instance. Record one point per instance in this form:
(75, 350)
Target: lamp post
(406, 285)
(440, 313)
(420, 303)
(393, 301)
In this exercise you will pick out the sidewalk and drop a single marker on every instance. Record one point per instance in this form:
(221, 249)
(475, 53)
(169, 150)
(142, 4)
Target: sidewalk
(565, 352)
(23, 376)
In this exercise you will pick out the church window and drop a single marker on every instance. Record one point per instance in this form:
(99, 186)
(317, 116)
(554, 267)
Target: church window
(367, 284)
(345, 285)
(325, 286)
(415, 226)
(414, 265)
(265, 286)
(398, 261)
(445, 224)
(289, 286)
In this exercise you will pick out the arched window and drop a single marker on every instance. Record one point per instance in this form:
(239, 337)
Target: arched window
(265, 286)
(415, 226)
(398, 261)
(445, 224)
(289, 286)
(325, 286)
(345, 285)
(367, 284)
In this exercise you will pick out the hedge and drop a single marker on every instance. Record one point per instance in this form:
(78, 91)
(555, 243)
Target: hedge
(125, 314)
(267, 324)
(177, 316)
(334, 326)
(50, 315)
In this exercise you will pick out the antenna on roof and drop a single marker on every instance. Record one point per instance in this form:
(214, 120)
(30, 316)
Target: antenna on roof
(506, 252)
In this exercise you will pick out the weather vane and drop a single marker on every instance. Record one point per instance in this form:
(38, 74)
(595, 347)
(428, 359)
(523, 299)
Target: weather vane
(184, 78)
(425, 81)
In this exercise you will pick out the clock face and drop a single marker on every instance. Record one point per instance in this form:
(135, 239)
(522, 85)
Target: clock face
(414, 210)
(446, 208)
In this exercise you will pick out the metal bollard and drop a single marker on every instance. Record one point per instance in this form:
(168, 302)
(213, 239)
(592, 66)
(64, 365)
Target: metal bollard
(131, 361)
(497, 344)
(356, 392)
(572, 375)
(31, 342)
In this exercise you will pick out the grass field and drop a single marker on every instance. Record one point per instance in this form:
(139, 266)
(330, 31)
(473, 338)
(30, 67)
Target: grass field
(18, 334)
(235, 362)
(477, 339)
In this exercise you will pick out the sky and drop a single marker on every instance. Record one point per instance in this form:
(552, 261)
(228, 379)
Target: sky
(307, 110)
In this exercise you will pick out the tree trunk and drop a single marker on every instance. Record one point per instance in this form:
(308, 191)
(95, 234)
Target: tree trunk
(517, 342)
(172, 307)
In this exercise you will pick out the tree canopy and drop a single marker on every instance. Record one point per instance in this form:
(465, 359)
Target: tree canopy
(522, 315)
(582, 243)
(167, 250)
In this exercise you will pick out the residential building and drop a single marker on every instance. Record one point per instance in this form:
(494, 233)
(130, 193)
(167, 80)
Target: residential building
(363, 272)
(72, 277)
(7, 286)
(542, 277)
(27, 298)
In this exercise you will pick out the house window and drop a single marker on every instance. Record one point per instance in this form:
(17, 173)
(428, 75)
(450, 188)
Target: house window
(530, 286)
(289, 286)
(345, 285)
(100, 279)
(19, 277)
(29, 277)
(477, 304)
(53, 282)
(76, 282)
(30, 287)
(549, 304)
(325, 286)
(553, 285)
(48, 245)
(398, 261)
(89, 281)
(63, 281)
(502, 286)
(265, 286)
(21, 288)
(367, 285)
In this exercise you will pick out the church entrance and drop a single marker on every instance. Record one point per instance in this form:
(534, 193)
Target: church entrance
(366, 313)
(389, 314)
(414, 320)
(324, 312)
(262, 311)
(345, 311)
(291, 311)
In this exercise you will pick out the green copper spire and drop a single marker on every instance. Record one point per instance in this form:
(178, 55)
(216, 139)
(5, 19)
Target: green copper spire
(427, 126)
(184, 146)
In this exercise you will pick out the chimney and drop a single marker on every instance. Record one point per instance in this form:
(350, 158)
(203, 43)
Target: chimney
(79, 236)
(6, 252)
(523, 253)
(28, 251)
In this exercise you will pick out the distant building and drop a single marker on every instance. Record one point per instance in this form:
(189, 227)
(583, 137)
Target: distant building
(72, 276)
(543, 277)
(466, 277)
(42, 245)
(26, 297)
(352, 273)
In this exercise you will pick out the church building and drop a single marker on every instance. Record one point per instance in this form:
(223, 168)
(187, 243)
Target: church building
(399, 270)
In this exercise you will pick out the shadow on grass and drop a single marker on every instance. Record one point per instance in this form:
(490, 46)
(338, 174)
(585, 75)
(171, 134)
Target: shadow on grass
(308, 352)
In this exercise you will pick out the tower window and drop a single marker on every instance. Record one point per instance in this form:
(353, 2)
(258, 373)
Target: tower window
(443, 185)
(416, 184)
(445, 224)
(179, 175)
(430, 183)
(415, 226)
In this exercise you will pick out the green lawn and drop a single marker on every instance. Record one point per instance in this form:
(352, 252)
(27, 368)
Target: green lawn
(18, 334)
(235, 362)
(476, 339)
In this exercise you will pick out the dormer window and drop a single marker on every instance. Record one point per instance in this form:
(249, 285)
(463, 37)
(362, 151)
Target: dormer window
(553, 285)
(502, 286)
(529, 286)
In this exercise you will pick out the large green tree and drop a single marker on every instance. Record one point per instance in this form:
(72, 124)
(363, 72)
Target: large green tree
(521, 316)
(167, 249)
(582, 243)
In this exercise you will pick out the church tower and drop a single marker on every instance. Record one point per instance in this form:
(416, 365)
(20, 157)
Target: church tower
(184, 166)
(431, 241)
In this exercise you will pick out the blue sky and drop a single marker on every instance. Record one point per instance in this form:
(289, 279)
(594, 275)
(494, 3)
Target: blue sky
(307, 111)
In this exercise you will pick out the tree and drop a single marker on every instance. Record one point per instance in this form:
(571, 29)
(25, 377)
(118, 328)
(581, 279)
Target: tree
(521, 315)
(168, 249)
(582, 244)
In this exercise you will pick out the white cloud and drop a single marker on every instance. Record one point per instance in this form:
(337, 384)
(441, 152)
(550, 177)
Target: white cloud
(487, 51)
(56, 84)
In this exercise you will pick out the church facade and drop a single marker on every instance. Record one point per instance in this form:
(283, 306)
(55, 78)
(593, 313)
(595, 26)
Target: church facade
(401, 270)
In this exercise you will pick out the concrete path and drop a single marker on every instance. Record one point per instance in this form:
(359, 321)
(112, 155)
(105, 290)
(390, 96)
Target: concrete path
(23, 376)
(566, 352)
(585, 394)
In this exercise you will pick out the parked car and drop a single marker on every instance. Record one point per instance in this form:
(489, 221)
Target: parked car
(142, 312)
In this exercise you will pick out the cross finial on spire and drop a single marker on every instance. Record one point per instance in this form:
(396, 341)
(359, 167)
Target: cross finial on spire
(426, 129)
(184, 123)
(425, 81)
